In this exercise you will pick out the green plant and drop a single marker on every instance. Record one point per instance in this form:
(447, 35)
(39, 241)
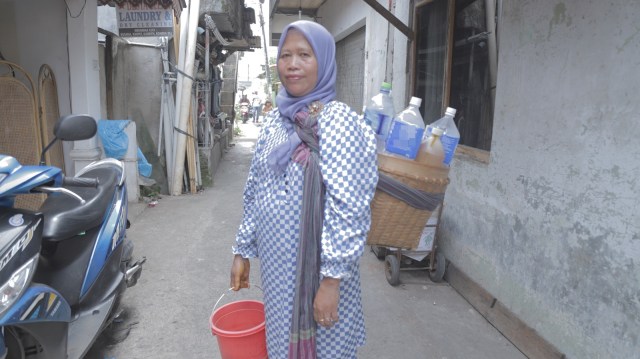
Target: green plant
(152, 191)
(236, 130)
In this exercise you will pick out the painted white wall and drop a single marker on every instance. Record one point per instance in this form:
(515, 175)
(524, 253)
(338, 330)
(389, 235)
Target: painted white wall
(33, 33)
(40, 40)
(82, 16)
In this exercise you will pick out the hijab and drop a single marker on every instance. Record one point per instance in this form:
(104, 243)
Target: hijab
(324, 49)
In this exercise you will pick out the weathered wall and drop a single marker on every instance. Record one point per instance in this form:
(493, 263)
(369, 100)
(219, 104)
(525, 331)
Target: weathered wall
(137, 80)
(550, 225)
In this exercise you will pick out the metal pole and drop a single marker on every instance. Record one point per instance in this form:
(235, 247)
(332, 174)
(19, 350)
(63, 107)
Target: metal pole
(266, 54)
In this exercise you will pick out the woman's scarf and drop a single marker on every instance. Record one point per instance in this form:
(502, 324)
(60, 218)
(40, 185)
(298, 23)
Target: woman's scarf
(324, 49)
(302, 343)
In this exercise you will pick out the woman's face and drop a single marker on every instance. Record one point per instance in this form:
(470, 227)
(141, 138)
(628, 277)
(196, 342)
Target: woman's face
(297, 65)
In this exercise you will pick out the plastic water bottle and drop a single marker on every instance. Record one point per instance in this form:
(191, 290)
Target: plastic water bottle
(379, 112)
(451, 135)
(431, 152)
(407, 128)
(441, 122)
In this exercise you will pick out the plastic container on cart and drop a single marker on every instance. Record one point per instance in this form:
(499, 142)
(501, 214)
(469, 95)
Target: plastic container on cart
(407, 128)
(379, 112)
(431, 152)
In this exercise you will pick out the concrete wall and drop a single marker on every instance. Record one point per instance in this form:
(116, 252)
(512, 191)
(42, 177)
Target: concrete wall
(550, 225)
(137, 81)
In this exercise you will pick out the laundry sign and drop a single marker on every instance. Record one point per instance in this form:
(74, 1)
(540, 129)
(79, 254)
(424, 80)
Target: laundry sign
(143, 23)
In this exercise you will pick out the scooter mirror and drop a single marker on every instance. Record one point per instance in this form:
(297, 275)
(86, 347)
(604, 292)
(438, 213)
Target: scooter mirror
(75, 128)
(71, 128)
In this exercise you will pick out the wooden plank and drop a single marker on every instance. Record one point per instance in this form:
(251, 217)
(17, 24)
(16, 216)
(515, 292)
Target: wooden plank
(391, 18)
(191, 155)
(525, 338)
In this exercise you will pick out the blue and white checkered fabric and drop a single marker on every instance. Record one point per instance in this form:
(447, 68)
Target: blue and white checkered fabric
(270, 225)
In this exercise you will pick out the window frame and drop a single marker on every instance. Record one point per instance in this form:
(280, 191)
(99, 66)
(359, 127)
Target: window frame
(462, 151)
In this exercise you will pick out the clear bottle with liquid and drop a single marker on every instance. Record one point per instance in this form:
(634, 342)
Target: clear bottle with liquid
(431, 152)
(407, 129)
(379, 112)
(451, 135)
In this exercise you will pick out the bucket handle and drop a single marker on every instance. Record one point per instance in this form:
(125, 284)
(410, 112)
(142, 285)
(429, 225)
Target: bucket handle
(226, 292)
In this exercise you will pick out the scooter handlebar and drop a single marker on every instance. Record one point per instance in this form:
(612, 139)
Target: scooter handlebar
(80, 182)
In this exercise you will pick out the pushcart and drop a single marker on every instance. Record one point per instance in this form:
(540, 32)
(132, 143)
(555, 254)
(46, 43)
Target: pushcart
(424, 257)
(404, 236)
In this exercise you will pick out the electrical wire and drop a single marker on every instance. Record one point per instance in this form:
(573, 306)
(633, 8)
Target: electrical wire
(69, 10)
(211, 25)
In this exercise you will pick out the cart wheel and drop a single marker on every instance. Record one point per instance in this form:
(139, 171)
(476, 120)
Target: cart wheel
(380, 252)
(392, 269)
(441, 265)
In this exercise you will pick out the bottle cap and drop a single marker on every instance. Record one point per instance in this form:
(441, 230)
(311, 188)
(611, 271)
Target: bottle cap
(437, 131)
(450, 111)
(386, 86)
(416, 101)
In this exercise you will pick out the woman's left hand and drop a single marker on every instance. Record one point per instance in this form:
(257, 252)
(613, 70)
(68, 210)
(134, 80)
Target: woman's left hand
(325, 304)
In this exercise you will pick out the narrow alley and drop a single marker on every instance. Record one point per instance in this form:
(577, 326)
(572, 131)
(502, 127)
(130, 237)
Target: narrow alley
(187, 242)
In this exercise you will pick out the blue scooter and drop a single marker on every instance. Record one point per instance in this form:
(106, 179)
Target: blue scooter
(64, 267)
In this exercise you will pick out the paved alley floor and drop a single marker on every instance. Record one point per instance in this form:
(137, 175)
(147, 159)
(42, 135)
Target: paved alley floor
(187, 242)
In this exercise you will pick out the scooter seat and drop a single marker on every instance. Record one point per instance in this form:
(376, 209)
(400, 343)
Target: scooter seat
(65, 216)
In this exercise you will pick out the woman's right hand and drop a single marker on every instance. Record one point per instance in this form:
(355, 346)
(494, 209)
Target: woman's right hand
(240, 269)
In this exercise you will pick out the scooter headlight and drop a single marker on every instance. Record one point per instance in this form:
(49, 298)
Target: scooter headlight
(13, 288)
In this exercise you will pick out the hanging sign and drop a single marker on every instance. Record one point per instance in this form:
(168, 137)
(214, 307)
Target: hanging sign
(145, 22)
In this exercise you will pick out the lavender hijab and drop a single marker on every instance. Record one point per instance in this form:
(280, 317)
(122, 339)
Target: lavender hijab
(324, 49)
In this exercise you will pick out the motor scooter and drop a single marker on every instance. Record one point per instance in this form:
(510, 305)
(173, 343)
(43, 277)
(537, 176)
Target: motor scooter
(64, 267)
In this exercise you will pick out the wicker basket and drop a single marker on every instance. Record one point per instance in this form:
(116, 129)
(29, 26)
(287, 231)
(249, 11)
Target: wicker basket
(394, 223)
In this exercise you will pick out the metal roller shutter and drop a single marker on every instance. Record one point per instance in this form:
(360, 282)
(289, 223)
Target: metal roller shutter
(350, 61)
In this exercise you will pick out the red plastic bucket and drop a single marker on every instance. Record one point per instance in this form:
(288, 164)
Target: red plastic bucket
(240, 329)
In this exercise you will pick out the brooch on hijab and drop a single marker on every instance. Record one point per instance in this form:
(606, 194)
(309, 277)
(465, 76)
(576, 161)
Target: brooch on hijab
(315, 107)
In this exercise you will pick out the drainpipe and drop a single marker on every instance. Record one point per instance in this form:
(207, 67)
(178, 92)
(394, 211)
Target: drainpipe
(185, 98)
(266, 55)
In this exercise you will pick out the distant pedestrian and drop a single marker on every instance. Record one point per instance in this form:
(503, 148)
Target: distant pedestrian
(306, 206)
(267, 108)
(256, 103)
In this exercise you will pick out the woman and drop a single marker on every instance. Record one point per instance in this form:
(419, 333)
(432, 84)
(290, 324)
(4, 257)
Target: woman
(306, 206)
(267, 108)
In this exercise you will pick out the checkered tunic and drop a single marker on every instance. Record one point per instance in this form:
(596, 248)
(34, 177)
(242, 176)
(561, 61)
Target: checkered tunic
(271, 224)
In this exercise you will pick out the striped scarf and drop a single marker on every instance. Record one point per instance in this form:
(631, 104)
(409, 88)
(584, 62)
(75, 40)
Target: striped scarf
(302, 338)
